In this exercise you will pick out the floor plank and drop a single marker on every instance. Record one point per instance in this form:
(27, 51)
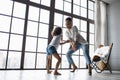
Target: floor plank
(81, 74)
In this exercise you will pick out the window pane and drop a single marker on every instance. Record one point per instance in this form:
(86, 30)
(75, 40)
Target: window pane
(64, 34)
(91, 50)
(14, 59)
(84, 35)
(4, 23)
(76, 2)
(76, 22)
(76, 52)
(76, 10)
(33, 13)
(41, 60)
(81, 51)
(91, 38)
(42, 45)
(68, 0)
(29, 61)
(4, 41)
(91, 5)
(76, 60)
(92, 28)
(59, 4)
(59, 49)
(64, 62)
(84, 3)
(36, 1)
(16, 42)
(31, 44)
(45, 2)
(17, 26)
(91, 16)
(82, 62)
(43, 30)
(32, 28)
(6, 7)
(64, 17)
(83, 12)
(65, 48)
(3, 55)
(67, 6)
(83, 25)
(19, 10)
(58, 19)
(44, 16)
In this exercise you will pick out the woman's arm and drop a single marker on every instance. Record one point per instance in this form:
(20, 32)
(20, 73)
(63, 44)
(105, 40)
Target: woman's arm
(74, 40)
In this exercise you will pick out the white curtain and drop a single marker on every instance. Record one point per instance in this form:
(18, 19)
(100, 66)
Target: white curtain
(100, 23)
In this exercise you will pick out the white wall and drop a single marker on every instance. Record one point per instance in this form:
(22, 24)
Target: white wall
(114, 33)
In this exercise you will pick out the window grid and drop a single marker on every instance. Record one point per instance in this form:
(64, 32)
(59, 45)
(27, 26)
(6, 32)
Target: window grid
(43, 7)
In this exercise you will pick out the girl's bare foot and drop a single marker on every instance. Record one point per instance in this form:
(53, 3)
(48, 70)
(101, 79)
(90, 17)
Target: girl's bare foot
(49, 72)
(56, 73)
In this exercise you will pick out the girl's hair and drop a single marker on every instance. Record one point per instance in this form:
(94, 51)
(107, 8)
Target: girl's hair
(57, 31)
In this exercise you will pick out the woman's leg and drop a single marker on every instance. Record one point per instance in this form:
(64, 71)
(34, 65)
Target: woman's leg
(69, 56)
(87, 57)
(70, 60)
(57, 64)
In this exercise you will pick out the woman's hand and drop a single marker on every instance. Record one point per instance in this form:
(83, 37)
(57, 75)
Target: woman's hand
(73, 43)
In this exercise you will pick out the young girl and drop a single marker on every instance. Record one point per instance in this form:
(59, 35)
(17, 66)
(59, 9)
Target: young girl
(52, 49)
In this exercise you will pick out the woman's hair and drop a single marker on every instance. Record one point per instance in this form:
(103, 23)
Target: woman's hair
(57, 31)
(68, 19)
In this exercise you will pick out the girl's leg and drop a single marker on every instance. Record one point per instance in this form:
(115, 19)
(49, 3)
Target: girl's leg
(48, 64)
(57, 64)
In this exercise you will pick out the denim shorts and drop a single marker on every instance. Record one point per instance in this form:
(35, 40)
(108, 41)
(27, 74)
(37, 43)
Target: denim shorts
(51, 50)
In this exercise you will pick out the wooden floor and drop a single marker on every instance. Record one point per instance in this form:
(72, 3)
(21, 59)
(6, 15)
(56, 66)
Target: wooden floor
(80, 74)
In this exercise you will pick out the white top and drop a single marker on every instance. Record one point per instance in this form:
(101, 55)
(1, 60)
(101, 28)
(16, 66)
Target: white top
(55, 41)
(103, 53)
(74, 35)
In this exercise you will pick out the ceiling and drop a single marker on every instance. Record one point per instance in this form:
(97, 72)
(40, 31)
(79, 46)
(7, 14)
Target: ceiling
(108, 1)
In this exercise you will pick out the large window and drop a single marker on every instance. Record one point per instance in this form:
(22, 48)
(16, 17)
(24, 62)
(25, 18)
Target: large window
(12, 18)
(25, 31)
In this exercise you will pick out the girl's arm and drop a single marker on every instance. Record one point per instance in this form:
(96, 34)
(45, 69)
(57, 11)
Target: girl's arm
(64, 42)
(52, 32)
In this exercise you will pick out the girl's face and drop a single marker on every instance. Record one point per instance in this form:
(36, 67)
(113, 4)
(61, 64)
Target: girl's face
(68, 24)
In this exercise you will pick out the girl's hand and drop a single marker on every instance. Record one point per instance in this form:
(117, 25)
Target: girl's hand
(64, 42)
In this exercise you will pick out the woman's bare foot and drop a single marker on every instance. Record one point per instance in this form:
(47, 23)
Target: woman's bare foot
(49, 72)
(74, 68)
(57, 73)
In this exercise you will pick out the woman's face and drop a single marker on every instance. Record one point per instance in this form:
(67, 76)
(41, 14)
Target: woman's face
(68, 24)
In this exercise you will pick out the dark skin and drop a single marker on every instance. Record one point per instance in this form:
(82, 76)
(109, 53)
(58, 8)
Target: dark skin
(73, 43)
(69, 26)
(58, 60)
